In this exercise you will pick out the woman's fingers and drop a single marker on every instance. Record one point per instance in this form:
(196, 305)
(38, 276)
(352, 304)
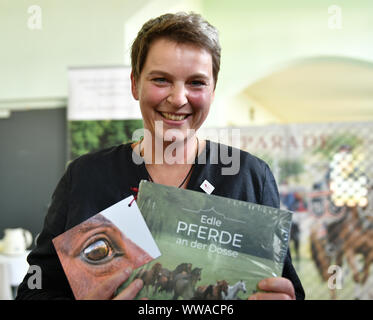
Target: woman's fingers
(274, 289)
(269, 296)
(131, 291)
(106, 289)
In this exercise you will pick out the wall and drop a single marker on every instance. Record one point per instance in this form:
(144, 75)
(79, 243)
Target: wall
(33, 62)
(261, 37)
(33, 158)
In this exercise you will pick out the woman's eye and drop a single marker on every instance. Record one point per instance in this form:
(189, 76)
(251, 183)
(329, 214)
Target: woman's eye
(160, 80)
(97, 251)
(197, 83)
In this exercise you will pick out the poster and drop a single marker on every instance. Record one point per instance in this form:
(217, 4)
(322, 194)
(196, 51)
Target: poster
(101, 93)
(101, 110)
(324, 172)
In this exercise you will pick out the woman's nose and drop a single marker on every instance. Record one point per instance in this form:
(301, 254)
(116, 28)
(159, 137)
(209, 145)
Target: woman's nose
(178, 96)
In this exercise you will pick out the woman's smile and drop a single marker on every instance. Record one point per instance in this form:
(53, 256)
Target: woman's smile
(174, 116)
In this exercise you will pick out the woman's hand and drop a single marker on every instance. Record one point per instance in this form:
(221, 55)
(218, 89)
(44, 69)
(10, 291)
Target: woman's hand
(106, 289)
(277, 288)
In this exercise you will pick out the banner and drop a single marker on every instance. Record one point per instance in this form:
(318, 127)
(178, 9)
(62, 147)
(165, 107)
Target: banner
(325, 176)
(101, 110)
(101, 93)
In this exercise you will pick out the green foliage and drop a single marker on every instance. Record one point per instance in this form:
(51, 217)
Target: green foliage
(89, 136)
(290, 168)
(334, 142)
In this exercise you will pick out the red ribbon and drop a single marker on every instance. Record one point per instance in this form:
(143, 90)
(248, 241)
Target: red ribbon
(135, 197)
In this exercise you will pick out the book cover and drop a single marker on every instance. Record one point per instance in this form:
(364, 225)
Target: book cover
(212, 247)
(104, 246)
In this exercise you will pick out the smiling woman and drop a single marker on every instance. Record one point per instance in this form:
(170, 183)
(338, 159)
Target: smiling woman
(175, 66)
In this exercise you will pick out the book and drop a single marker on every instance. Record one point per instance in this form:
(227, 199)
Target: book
(102, 247)
(212, 247)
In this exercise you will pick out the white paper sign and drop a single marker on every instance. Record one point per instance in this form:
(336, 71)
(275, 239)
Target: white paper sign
(101, 93)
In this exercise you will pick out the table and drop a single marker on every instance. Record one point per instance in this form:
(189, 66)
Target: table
(13, 269)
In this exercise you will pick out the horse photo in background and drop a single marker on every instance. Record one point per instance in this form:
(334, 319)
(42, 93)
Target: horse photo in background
(344, 241)
(341, 235)
(325, 242)
(325, 176)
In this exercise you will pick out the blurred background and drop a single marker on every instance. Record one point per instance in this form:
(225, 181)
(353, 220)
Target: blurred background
(296, 79)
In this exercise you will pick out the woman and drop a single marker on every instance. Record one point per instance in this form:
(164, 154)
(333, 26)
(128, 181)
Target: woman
(175, 66)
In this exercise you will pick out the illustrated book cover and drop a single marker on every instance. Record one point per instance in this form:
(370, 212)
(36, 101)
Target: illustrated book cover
(103, 246)
(212, 247)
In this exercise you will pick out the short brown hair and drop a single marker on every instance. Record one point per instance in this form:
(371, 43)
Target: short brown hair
(182, 28)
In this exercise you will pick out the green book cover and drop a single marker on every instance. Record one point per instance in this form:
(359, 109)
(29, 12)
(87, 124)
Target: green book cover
(212, 247)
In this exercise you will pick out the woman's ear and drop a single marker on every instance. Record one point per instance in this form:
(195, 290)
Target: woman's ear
(134, 88)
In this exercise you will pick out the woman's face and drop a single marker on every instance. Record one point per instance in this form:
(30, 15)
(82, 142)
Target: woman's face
(175, 87)
(95, 250)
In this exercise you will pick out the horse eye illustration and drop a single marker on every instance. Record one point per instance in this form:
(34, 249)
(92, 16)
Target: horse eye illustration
(97, 252)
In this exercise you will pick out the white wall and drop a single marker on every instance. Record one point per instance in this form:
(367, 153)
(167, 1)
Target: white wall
(33, 62)
(261, 37)
(257, 37)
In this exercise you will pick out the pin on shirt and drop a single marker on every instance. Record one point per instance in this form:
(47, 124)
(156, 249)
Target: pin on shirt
(207, 187)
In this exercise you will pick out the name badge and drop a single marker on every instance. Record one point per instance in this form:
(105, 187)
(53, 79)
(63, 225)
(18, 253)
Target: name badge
(207, 187)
